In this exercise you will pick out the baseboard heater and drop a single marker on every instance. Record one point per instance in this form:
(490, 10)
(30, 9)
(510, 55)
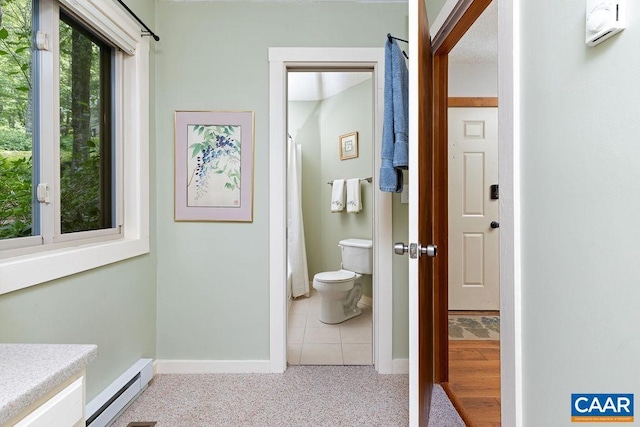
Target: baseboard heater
(106, 406)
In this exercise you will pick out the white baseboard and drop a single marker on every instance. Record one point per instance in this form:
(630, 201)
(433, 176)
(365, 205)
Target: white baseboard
(367, 300)
(212, 366)
(400, 366)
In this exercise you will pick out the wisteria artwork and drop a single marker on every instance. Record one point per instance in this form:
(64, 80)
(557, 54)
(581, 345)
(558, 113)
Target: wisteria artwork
(214, 166)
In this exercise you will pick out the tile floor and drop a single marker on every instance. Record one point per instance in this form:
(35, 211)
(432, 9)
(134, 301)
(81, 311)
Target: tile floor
(311, 342)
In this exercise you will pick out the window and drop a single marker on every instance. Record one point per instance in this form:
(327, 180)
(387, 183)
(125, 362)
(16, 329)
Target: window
(16, 119)
(73, 89)
(86, 168)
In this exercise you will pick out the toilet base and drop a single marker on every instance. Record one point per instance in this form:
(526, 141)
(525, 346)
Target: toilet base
(338, 314)
(333, 311)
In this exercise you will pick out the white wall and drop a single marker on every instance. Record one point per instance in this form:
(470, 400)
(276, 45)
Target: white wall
(473, 81)
(580, 195)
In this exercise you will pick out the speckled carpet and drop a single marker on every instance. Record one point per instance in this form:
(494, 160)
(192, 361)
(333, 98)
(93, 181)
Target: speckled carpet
(468, 327)
(303, 396)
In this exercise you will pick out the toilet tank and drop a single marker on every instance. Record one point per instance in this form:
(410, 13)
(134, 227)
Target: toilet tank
(357, 255)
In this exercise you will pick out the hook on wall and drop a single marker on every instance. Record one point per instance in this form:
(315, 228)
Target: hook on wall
(391, 38)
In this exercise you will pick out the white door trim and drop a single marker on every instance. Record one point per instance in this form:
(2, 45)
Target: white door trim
(280, 60)
(509, 180)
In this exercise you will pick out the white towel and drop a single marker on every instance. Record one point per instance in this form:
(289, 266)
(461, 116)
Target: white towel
(354, 204)
(337, 195)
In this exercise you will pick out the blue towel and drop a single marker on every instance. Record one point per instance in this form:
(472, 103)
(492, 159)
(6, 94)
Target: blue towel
(395, 147)
(400, 82)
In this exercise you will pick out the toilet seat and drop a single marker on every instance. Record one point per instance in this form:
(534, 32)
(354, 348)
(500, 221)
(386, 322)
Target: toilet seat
(336, 281)
(339, 276)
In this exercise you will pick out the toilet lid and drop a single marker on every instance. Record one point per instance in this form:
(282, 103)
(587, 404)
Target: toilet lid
(335, 276)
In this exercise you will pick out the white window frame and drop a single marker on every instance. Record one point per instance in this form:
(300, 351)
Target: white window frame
(28, 266)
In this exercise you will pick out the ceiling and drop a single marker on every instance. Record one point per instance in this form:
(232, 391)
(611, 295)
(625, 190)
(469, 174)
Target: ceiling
(479, 45)
(477, 48)
(314, 86)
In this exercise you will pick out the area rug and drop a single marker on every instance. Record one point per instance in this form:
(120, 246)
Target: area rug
(463, 327)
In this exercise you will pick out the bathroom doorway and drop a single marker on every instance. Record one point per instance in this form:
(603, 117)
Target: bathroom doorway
(281, 62)
(323, 109)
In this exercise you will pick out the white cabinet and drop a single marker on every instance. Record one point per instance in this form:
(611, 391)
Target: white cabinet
(43, 384)
(59, 408)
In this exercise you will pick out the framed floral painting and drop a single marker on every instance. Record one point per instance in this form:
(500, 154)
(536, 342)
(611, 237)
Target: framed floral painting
(214, 165)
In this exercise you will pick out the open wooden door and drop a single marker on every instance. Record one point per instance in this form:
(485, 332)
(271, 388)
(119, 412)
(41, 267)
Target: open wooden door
(428, 203)
(425, 213)
(421, 290)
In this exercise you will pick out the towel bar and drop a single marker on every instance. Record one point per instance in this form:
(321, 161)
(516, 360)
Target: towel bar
(361, 179)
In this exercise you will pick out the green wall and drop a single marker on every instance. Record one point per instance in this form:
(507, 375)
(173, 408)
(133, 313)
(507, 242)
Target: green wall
(113, 306)
(348, 111)
(400, 233)
(351, 110)
(213, 278)
(433, 9)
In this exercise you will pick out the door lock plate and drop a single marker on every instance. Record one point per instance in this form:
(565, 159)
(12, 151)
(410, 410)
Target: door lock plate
(495, 192)
(413, 250)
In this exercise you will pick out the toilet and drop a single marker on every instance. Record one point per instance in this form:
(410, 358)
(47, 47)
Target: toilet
(341, 290)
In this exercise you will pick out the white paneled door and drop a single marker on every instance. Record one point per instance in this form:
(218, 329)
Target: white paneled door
(473, 209)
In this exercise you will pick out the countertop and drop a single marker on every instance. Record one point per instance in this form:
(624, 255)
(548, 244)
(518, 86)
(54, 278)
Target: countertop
(30, 371)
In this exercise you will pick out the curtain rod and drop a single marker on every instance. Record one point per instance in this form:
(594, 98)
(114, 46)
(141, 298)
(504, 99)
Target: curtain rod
(148, 30)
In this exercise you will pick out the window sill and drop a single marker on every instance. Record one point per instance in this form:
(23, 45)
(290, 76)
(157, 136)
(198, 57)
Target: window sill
(29, 270)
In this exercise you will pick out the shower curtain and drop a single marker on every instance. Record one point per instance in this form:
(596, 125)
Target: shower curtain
(296, 250)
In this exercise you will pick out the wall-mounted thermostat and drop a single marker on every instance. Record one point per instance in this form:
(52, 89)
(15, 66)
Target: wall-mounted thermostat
(604, 19)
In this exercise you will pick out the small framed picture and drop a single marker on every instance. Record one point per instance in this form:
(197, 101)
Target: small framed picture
(348, 146)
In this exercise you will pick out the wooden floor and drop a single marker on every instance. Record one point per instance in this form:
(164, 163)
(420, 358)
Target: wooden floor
(474, 377)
